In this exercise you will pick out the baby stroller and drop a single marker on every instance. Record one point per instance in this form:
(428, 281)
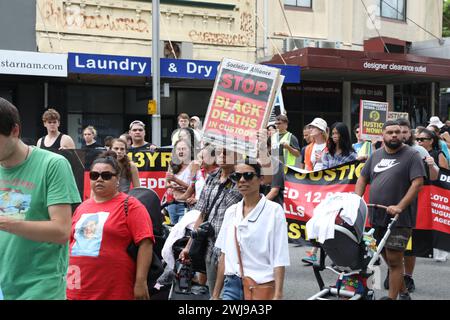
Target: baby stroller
(178, 275)
(151, 202)
(352, 251)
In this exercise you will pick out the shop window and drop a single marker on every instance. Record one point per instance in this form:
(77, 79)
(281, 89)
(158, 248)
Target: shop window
(364, 92)
(299, 3)
(415, 100)
(310, 100)
(393, 9)
(193, 102)
(94, 99)
(106, 125)
(136, 101)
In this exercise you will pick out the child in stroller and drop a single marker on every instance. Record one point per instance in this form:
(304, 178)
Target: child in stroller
(338, 225)
(178, 275)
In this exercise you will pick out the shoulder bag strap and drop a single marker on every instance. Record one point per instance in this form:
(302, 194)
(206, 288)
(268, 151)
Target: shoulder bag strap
(219, 191)
(125, 205)
(241, 267)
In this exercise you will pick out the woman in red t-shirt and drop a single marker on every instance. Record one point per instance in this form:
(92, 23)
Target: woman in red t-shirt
(99, 266)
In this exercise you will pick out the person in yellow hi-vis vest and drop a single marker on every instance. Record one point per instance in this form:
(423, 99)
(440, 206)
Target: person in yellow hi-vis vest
(286, 143)
(363, 148)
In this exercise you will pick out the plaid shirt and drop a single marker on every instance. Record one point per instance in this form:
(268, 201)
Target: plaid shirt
(328, 161)
(228, 196)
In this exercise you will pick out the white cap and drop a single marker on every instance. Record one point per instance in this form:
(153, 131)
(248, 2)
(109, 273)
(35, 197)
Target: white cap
(319, 123)
(435, 121)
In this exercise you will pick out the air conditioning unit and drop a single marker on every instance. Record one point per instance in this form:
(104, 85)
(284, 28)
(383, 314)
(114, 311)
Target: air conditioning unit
(329, 44)
(290, 44)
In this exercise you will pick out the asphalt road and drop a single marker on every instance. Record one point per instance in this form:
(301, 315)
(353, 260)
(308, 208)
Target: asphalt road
(431, 278)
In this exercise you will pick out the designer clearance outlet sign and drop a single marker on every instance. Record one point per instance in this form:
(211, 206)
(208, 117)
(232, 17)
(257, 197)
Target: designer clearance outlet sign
(33, 63)
(395, 67)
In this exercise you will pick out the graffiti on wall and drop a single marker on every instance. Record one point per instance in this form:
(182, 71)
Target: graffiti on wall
(243, 38)
(75, 16)
(219, 38)
(83, 17)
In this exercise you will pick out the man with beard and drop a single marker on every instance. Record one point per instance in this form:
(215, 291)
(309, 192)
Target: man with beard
(408, 139)
(395, 173)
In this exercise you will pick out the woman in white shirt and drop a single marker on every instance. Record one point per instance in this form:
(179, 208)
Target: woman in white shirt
(261, 231)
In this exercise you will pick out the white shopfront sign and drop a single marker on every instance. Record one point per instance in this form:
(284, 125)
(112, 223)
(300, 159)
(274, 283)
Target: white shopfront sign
(33, 63)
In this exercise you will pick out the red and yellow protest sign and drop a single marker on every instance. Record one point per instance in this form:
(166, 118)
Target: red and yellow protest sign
(240, 104)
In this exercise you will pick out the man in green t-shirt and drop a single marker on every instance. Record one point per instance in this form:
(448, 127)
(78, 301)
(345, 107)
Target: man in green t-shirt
(37, 189)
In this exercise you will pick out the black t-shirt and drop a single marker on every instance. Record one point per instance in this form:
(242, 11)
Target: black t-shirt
(95, 145)
(390, 177)
(145, 147)
(92, 151)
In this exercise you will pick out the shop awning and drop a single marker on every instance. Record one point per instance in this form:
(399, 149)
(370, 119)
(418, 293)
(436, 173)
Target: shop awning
(363, 66)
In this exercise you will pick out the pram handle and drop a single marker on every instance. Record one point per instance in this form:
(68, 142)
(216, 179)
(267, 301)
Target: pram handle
(377, 206)
(382, 242)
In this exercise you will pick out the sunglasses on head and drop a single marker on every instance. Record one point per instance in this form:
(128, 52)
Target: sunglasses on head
(137, 122)
(236, 176)
(423, 139)
(106, 175)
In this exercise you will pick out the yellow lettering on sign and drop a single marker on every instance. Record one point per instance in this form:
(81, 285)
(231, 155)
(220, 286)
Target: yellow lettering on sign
(152, 157)
(139, 159)
(294, 231)
(330, 175)
(165, 159)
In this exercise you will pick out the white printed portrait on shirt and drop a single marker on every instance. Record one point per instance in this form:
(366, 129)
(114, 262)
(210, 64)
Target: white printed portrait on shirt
(89, 234)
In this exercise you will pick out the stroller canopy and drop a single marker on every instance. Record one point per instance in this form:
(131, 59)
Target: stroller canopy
(350, 207)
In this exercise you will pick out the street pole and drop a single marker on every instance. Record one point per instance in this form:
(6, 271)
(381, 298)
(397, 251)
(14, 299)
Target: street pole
(156, 118)
(266, 28)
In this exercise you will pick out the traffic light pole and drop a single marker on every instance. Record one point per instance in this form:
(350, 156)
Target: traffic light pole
(156, 118)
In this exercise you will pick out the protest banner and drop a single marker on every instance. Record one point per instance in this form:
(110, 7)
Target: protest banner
(240, 105)
(397, 115)
(372, 116)
(304, 191)
(434, 210)
(152, 167)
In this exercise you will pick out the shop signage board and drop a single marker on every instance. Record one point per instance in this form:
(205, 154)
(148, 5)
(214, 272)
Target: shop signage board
(240, 105)
(373, 114)
(397, 115)
(169, 68)
(33, 63)
(109, 64)
(207, 70)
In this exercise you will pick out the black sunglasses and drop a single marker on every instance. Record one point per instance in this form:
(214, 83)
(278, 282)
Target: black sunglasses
(423, 139)
(236, 176)
(106, 175)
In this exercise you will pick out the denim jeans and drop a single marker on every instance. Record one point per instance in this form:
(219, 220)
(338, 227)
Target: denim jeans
(232, 288)
(176, 212)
